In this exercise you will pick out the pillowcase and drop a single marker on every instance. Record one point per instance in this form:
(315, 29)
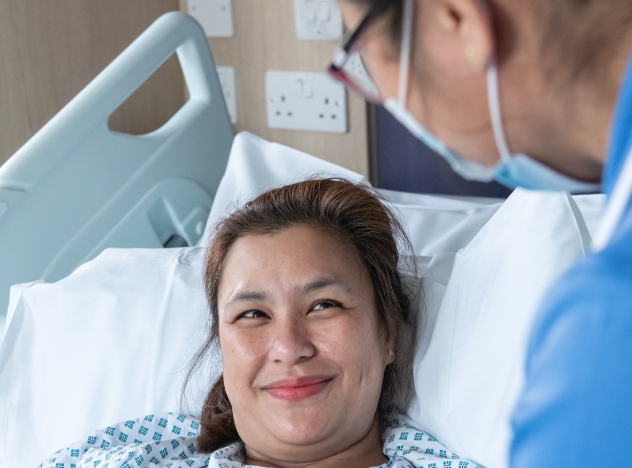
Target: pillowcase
(468, 367)
(256, 165)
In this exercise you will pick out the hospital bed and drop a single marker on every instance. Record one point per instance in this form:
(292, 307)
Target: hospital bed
(77, 188)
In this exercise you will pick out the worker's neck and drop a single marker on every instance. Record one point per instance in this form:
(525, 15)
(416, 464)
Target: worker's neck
(591, 112)
(572, 116)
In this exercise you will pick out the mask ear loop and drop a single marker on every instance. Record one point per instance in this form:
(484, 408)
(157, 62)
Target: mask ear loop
(493, 96)
(493, 99)
(404, 53)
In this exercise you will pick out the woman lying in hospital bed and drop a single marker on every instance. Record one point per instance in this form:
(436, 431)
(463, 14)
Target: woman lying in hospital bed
(309, 308)
(112, 341)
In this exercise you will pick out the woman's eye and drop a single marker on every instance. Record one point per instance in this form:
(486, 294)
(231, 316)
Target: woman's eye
(325, 305)
(253, 314)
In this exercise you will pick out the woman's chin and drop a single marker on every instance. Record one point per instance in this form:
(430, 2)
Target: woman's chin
(303, 427)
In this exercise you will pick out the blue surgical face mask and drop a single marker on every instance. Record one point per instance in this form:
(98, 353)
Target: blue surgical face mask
(513, 170)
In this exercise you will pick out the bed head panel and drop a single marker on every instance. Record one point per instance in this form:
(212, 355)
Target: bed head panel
(77, 187)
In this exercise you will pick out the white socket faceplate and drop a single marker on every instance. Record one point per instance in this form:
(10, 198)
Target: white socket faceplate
(305, 101)
(215, 16)
(318, 20)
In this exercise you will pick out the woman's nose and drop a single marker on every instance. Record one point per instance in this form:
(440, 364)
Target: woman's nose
(291, 342)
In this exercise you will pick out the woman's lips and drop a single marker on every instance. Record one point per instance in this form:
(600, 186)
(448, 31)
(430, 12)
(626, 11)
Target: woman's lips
(299, 388)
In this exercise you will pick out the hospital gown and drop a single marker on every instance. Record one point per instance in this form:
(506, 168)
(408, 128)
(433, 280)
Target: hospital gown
(169, 440)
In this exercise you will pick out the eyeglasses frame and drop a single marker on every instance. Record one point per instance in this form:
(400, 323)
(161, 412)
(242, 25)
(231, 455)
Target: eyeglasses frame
(349, 45)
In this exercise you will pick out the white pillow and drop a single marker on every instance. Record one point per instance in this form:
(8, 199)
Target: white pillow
(106, 344)
(469, 366)
(256, 165)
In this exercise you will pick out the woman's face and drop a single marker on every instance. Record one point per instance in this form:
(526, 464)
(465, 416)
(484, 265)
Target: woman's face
(304, 355)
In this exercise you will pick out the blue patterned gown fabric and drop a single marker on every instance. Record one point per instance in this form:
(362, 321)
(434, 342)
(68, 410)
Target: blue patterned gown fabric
(169, 440)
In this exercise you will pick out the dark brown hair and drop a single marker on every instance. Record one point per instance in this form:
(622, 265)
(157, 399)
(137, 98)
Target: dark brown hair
(390, 18)
(352, 211)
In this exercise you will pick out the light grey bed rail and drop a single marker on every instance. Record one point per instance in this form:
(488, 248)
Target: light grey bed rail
(77, 187)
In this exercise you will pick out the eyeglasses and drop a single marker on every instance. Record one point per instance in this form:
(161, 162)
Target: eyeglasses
(346, 64)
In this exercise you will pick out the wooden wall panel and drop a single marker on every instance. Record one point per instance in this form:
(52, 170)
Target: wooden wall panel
(49, 50)
(265, 38)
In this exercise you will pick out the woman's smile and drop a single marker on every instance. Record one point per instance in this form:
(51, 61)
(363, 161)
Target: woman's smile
(297, 389)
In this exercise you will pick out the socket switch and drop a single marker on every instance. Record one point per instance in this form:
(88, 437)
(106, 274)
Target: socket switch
(318, 20)
(305, 101)
(215, 16)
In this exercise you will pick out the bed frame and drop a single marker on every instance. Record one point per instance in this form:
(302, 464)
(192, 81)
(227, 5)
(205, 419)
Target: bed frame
(77, 188)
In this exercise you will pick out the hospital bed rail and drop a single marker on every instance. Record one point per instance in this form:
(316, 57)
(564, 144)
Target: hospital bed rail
(77, 187)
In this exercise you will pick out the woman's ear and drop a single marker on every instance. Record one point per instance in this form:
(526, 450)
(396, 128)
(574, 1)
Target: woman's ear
(457, 35)
(391, 356)
(389, 351)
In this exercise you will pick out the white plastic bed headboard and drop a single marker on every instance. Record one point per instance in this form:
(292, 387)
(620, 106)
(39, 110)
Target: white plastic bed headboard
(77, 187)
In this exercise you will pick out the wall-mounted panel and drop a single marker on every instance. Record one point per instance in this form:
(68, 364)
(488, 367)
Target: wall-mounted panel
(265, 39)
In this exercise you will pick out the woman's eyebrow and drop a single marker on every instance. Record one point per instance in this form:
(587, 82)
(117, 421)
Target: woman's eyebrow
(244, 296)
(321, 283)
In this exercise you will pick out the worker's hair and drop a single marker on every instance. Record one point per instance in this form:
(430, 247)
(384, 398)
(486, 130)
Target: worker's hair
(390, 18)
(575, 35)
(355, 213)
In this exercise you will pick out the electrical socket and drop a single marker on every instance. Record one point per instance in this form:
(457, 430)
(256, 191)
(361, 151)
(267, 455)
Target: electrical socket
(318, 20)
(305, 101)
(226, 77)
(215, 16)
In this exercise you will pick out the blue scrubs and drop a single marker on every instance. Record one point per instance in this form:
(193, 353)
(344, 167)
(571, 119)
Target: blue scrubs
(576, 408)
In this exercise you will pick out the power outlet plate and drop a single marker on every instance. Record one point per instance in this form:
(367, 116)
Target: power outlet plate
(226, 77)
(318, 20)
(215, 16)
(305, 101)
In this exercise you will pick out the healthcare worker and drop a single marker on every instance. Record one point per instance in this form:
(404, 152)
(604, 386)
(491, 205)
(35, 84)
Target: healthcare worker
(534, 94)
